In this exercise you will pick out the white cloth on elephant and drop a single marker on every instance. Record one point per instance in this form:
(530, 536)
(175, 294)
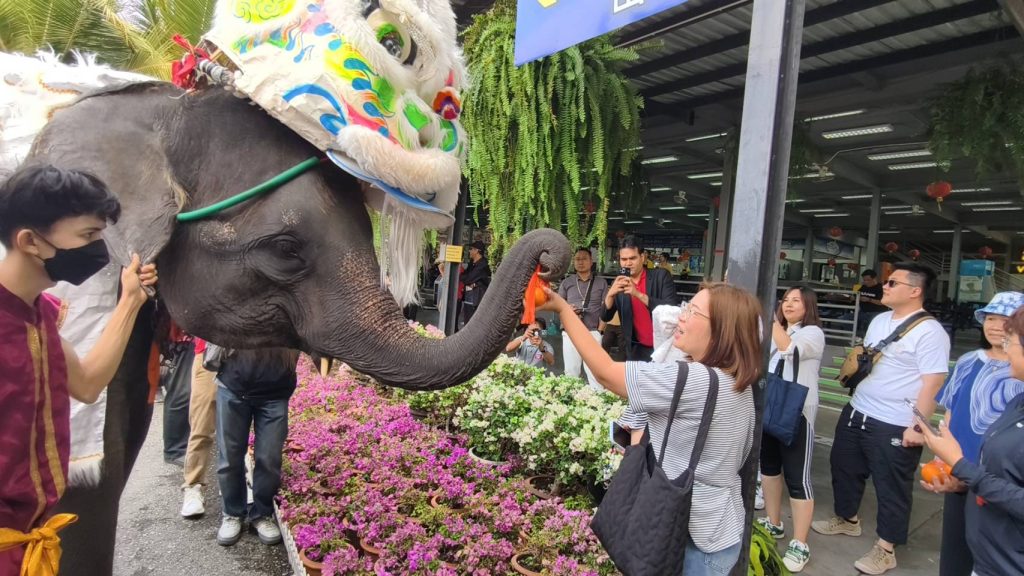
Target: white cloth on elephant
(665, 319)
(87, 310)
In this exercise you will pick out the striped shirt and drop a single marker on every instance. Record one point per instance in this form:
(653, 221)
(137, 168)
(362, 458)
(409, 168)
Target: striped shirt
(717, 518)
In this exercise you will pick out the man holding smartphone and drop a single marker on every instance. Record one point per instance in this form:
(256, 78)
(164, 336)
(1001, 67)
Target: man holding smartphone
(531, 347)
(633, 294)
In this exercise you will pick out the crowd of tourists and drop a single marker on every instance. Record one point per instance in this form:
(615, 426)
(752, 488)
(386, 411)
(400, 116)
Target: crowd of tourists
(696, 414)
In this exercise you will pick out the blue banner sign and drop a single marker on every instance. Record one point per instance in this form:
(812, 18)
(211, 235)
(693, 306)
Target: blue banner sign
(544, 27)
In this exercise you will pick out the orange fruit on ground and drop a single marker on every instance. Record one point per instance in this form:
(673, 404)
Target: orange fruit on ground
(936, 470)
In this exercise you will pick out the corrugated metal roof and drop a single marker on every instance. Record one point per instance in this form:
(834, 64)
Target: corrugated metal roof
(737, 21)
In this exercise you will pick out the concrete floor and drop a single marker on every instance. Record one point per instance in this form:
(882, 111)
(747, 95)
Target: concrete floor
(153, 540)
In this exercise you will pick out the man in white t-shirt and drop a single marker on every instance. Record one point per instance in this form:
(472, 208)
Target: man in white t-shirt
(875, 435)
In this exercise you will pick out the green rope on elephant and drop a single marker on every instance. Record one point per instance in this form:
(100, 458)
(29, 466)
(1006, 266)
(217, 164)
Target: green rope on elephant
(275, 182)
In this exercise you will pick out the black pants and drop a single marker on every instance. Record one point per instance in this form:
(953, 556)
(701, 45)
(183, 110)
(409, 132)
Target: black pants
(955, 558)
(612, 342)
(177, 392)
(793, 461)
(866, 447)
(639, 353)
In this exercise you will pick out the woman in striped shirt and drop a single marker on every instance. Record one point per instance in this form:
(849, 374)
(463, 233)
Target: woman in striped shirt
(719, 329)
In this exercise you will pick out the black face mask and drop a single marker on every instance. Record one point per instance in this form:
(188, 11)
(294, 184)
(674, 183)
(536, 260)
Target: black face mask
(76, 265)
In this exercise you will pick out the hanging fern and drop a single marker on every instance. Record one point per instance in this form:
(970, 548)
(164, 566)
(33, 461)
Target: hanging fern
(549, 137)
(981, 118)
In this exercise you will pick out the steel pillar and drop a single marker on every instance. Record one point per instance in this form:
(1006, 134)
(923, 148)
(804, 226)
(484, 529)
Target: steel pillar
(773, 67)
(874, 224)
(449, 310)
(954, 264)
(809, 253)
(724, 227)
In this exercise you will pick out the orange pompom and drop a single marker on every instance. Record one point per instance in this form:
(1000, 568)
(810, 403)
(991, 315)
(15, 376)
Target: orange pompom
(936, 470)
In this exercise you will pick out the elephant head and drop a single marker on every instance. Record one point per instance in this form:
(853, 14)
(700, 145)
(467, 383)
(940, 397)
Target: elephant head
(294, 267)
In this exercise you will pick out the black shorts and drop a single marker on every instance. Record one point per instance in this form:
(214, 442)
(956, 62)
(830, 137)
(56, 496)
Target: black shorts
(794, 461)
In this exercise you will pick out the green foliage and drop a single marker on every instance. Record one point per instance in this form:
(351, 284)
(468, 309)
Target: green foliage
(981, 117)
(137, 41)
(765, 559)
(549, 136)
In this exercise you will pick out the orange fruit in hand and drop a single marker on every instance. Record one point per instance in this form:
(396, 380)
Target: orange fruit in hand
(936, 470)
(539, 296)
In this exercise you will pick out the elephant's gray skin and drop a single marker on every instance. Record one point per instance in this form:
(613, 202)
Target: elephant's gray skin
(293, 268)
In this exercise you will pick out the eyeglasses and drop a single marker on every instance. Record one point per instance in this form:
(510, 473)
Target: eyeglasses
(1008, 343)
(892, 283)
(690, 311)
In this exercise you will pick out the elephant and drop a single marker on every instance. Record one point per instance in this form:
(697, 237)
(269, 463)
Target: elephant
(293, 268)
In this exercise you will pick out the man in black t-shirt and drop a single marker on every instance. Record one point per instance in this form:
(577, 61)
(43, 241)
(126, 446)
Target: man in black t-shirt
(870, 299)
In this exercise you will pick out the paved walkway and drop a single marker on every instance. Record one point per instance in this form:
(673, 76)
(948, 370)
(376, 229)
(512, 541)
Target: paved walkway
(154, 540)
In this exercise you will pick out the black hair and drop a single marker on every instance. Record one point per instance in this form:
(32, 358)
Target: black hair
(666, 255)
(542, 323)
(919, 273)
(583, 249)
(38, 196)
(869, 272)
(633, 242)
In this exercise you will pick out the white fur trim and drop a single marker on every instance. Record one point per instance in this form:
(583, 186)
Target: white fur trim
(85, 472)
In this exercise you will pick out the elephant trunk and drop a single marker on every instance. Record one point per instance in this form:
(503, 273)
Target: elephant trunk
(377, 340)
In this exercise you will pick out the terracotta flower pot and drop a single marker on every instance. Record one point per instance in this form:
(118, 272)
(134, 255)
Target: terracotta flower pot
(517, 565)
(312, 568)
(368, 549)
(435, 502)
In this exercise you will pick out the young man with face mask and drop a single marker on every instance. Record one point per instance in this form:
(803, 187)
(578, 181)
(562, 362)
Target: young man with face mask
(51, 225)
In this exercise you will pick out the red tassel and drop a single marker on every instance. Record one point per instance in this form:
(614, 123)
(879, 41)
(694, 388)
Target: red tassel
(530, 298)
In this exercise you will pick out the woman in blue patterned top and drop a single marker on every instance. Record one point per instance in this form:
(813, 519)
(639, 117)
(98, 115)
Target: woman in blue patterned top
(975, 395)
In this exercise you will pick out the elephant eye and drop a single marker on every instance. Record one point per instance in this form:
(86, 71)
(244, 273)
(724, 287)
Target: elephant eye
(287, 247)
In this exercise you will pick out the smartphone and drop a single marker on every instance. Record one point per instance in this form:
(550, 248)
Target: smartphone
(913, 406)
(625, 272)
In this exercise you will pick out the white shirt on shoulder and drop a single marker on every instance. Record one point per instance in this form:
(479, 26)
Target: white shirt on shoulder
(924, 350)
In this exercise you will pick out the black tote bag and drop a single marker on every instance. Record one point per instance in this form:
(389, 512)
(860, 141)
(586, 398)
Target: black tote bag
(644, 520)
(784, 401)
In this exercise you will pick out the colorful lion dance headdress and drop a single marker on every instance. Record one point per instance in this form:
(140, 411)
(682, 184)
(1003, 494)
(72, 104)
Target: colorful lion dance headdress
(373, 83)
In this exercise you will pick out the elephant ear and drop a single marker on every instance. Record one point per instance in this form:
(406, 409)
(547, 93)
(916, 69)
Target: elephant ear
(103, 135)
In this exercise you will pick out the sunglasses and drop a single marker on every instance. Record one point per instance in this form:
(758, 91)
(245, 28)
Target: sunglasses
(892, 283)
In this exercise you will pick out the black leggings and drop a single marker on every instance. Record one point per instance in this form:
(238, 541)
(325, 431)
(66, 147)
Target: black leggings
(794, 460)
(955, 558)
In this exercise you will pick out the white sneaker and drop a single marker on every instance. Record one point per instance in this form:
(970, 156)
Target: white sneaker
(230, 531)
(759, 498)
(797, 555)
(192, 504)
(268, 531)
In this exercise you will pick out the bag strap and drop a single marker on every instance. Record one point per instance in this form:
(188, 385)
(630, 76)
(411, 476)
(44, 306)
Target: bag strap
(705, 419)
(684, 372)
(796, 364)
(586, 299)
(902, 330)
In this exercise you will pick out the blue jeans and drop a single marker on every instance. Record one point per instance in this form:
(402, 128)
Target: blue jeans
(269, 419)
(699, 563)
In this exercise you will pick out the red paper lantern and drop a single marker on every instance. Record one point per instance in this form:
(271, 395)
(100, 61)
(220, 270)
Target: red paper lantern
(939, 190)
(620, 234)
(891, 247)
(716, 202)
(831, 261)
(854, 267)
(835, 232)
(914, 254)
(589, 208)
(985, 251)
(782, 255)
